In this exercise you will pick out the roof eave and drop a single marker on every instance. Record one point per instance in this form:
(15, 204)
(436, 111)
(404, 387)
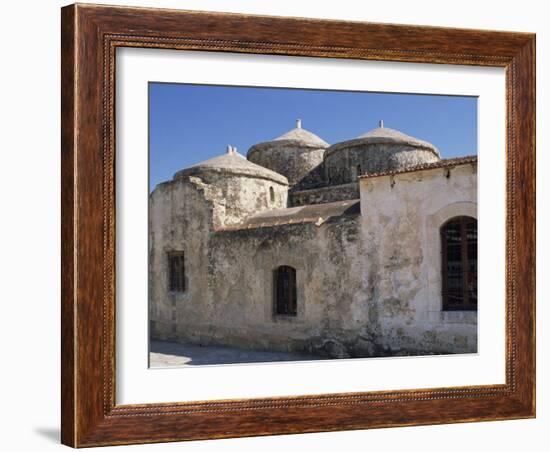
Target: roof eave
(274, 177)
(446, 163)
(381, 140)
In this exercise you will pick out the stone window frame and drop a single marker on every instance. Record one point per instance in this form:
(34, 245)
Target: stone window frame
(293, 283)
(467, 304)
(169, 287)
(433, 274)
(270, 265)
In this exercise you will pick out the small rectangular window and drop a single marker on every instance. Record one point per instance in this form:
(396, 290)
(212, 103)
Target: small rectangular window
(176, 272)
(285, 290)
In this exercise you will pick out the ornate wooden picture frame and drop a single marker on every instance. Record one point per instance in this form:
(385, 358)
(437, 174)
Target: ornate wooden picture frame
(90, 37)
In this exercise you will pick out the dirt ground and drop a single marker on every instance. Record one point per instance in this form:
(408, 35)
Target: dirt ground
(170, 354)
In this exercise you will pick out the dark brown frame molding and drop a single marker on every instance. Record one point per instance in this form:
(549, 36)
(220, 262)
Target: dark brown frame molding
(90, 35)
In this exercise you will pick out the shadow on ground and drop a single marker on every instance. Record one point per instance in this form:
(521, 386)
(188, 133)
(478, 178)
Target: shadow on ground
(52, 434)
(165, 354)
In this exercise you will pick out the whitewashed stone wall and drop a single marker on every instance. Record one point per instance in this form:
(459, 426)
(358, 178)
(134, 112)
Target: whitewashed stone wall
(401, 217)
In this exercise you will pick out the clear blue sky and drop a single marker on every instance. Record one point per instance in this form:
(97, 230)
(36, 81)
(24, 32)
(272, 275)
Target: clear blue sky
(192, 123)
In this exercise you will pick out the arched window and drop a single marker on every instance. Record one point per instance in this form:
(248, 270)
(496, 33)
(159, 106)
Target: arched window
(271, 194)
(285, 290)
(459, 264)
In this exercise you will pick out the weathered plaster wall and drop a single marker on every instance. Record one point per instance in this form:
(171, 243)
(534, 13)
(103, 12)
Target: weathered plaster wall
(401, 217)
(183, 214)
(181, 218)
(234, 197)
(231, 301)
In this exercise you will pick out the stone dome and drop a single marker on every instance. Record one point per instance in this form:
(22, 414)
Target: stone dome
(379, 150)
(302, 136)
(231, 163)
(293, 154)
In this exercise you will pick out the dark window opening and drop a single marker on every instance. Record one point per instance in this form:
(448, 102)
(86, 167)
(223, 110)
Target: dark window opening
(271, 194)
(459, 264)
(285, 291)
(176, 272)
(358, 170)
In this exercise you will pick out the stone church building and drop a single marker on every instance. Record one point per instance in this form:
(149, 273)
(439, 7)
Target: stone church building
(366, 247)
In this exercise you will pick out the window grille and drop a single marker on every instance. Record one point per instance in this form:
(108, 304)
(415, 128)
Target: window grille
(176, 272)
(285, 291)
(459, 264)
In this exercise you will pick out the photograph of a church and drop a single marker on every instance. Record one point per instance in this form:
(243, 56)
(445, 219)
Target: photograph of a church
(363, 248)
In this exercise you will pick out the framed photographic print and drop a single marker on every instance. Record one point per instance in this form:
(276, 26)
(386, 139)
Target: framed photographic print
(281, 225)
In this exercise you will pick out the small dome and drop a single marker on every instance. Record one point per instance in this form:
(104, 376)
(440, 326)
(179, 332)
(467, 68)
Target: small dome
(297, 137)
(294, 154)
(384, 135)
(379, 150)
(232, 163)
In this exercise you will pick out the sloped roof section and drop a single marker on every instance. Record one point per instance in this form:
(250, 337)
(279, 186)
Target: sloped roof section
(315, 213)
(232, 163)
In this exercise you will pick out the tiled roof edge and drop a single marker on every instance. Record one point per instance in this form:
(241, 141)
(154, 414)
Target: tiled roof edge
(446, 163)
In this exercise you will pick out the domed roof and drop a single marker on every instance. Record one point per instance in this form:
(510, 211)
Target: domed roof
(385, 135)
(232, 163)
(303, 136)
(296, 136)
